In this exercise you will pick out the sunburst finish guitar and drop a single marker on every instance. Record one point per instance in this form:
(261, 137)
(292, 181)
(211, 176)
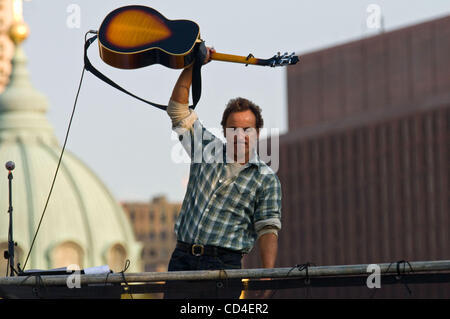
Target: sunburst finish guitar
(136, 36)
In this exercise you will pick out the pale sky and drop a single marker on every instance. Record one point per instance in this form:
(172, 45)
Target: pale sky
(127, 143)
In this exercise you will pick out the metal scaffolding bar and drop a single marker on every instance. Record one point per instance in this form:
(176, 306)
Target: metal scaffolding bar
(401, 267)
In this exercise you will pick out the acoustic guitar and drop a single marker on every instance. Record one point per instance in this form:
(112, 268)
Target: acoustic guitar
(135, 36)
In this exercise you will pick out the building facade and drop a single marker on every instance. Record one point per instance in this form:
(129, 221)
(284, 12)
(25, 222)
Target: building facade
(153, 224)
(365, 165)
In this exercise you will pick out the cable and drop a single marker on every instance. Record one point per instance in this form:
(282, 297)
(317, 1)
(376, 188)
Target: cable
(127, 287)
(57, 168)
(398, 277)
(7, 268)
(307, 281)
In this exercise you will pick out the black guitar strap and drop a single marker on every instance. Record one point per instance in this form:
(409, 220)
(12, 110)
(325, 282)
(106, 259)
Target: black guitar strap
(199, 53)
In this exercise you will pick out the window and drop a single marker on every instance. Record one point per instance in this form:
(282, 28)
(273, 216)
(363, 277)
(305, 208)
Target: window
(67, 253)
(18, 255)
(132, 215)
(117, 256)
(151, 215)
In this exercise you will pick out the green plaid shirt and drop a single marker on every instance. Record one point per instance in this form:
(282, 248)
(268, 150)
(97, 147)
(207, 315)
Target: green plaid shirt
(223, 212)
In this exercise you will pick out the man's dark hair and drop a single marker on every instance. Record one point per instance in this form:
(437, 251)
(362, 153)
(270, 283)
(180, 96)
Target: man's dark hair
(240, 104)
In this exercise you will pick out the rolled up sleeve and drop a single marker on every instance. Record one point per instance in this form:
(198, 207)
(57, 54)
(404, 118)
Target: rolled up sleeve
(182, 117)
(268, 207)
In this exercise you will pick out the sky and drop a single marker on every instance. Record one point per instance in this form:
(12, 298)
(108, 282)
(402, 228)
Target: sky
(127, 143)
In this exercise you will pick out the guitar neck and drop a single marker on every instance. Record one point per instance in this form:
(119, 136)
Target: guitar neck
(238, 59)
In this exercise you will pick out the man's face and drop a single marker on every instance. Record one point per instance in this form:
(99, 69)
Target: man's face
(241, 135)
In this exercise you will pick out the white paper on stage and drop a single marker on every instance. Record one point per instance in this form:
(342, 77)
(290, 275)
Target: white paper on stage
(97, 270)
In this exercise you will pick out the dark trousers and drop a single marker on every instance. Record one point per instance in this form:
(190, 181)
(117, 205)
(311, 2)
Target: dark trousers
(226, 288)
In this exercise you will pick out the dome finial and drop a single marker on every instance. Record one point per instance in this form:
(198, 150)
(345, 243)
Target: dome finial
(22, 107)
(19, 30)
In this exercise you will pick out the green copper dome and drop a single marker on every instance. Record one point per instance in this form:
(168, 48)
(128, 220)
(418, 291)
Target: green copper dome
(83, 224)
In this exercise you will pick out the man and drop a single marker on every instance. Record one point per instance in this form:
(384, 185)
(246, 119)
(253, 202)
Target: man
(231, 200)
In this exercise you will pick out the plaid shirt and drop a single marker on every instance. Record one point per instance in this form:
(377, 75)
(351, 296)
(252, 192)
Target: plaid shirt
(223, 212)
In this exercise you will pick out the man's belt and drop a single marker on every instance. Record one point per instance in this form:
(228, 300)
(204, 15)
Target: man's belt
(205, 250)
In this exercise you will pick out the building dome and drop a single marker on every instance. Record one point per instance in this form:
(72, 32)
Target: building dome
(83, 223)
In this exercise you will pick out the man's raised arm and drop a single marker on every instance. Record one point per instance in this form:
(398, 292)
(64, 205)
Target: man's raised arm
(180, 92)
(178, 108)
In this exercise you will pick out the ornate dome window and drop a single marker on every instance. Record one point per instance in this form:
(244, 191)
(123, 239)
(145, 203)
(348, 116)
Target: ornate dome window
(67, 253)
(117, 255)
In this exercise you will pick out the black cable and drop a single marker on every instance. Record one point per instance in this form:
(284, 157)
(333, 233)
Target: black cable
(127, 287)
(127, 264)
(39, 283)
(300, 267)
(307, 278)
(220, 284)
(399, 275)
(7, 269)
(57, 168)
(106, 281)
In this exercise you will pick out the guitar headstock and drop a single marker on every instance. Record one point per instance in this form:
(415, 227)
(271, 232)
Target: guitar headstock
(282, 60)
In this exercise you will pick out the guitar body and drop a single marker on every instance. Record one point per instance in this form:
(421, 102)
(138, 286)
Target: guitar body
(135, 36)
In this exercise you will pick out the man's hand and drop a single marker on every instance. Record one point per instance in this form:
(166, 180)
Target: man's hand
(210, 51)
(180, 92)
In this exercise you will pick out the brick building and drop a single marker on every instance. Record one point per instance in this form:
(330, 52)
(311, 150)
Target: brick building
(153, 225)
(365, 165)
